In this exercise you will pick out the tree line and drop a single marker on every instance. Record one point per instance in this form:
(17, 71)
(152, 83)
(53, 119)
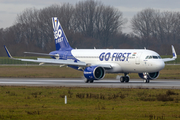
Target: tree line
(90, 24)
(155, 28)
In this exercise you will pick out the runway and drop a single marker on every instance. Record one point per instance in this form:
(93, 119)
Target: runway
(134, 83)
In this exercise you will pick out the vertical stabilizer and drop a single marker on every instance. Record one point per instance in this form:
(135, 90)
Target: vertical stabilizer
(61, 41)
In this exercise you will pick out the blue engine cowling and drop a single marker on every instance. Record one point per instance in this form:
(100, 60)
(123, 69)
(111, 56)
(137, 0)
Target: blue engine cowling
(94, 72)
(150, 76)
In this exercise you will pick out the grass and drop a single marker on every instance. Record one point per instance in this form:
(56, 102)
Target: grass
(45, 103)
(169, 72)
(88, 103)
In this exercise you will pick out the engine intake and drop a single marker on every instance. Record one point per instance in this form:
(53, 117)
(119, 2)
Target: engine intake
(150, 76)
(94, 72)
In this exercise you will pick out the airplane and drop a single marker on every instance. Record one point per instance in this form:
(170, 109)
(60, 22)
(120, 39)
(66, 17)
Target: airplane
(95, 63)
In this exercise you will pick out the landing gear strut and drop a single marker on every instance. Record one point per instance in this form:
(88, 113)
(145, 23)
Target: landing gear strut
(124, 78)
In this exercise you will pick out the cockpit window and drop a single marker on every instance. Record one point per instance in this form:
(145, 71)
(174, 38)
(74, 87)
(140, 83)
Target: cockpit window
(150, 57)
(155, 57)
(147, 57)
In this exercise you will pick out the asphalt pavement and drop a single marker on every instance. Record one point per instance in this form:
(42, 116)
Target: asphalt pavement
(109, 83)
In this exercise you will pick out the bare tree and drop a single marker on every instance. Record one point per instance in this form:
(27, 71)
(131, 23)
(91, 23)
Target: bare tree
(112, 21)
(85, 16)
(36, 27)
(142, 25)
(95, 20)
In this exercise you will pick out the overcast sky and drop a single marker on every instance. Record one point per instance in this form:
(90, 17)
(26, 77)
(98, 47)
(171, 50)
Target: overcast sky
(10, 8)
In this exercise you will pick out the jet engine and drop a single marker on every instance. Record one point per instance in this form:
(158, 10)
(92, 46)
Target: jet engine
(94, 72)
(149, 76)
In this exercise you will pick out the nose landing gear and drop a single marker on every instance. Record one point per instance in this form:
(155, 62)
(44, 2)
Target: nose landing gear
(146, 80)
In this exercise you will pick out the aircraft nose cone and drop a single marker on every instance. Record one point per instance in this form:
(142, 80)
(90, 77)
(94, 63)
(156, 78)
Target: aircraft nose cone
(159, 65)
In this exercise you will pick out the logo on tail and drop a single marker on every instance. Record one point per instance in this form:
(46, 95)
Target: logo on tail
(59, 36)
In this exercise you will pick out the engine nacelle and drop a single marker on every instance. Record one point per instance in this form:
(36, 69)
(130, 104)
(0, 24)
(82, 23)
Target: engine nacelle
(94, 72)
(149, 76)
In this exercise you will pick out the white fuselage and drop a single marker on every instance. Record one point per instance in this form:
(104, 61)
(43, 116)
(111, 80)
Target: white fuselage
(121, 60)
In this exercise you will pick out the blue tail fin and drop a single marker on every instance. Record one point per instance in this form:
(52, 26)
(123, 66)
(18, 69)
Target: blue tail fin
(59, 36)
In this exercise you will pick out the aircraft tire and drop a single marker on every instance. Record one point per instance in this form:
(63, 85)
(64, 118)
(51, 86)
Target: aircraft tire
(86, 80)
(91, 81)
(146, 81)
(122, 79)
(126, 79)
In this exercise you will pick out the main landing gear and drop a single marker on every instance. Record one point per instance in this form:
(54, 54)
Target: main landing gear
(88, 81)
(124, 78)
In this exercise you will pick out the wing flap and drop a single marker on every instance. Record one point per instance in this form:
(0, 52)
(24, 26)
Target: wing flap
(55, 61)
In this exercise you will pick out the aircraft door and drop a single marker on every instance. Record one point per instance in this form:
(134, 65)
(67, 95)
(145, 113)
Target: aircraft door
(137, 59)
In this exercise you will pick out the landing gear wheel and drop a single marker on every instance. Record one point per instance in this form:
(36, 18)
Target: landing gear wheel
(86, 80)
(146, 81)
(91, 81)
(122, 79)
(126, 79)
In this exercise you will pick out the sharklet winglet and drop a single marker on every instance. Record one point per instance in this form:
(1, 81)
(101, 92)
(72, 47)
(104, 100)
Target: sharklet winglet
(7, 51)
(173, 52)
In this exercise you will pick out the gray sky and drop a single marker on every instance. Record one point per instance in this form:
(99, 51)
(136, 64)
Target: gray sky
(10, 8)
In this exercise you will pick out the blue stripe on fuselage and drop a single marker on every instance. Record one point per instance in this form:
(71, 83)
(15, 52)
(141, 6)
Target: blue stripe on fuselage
(64, 55)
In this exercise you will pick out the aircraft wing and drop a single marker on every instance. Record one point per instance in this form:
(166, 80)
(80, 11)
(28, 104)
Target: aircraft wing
(174, 55)
(50, 61)
(54, 61)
